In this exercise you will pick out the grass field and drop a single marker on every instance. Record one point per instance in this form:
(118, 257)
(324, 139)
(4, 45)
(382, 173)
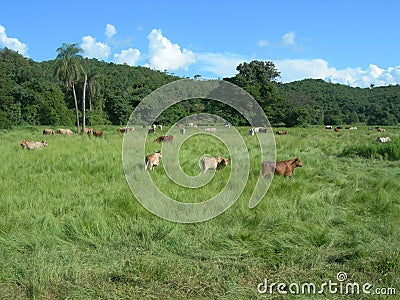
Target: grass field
(71, 229)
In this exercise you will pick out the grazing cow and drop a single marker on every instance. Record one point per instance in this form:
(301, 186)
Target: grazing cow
(337, 129)
(353, 128)
(164, 139)
(160, 127)
(251, 131)
(152, 160)
(182, 130)
(154, 126)
(383, 139)
(151, 130)
(381, 129)
(213, 163)
(280, 132)
(98, 133)
(125, 129)
(33, 145)
(190, 124)
(227, 125)
(48, 131)
(64, 131)
(88, 131)
(285, 167)
(210, 129)
(328, 127)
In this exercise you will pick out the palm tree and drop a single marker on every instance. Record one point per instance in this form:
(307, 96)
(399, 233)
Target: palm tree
(69, 70)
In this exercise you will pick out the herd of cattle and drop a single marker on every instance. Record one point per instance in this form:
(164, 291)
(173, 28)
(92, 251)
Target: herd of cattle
(285, 168)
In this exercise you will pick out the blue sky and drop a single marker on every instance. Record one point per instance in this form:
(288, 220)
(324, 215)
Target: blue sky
(351, 42)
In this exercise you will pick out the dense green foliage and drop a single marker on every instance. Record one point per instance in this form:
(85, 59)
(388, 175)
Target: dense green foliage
(71, 229)
(33, 93)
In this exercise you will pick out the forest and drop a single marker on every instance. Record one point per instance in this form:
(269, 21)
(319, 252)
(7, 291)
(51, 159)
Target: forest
(75, 91)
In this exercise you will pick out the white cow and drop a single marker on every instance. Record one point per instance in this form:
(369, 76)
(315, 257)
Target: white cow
(33, 145)
(383, 139)
(210, 129)
(212, 163)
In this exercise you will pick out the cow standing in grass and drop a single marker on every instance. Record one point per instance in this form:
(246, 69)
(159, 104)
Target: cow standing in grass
(98, 133)
(33, 145)
(213, 163)
(65, 131)
(164, 139)
(48, 131)
(152, 160)
(285, 167)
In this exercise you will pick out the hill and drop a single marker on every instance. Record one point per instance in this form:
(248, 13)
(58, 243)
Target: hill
(31, 94)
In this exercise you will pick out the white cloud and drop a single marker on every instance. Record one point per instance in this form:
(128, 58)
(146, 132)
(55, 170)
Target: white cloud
(94, 49)
(298, 69)
(163, 55)
(263, 43)
(110, 31)
(12, 43)
(288, 38)
(129, 57)
(220, 64)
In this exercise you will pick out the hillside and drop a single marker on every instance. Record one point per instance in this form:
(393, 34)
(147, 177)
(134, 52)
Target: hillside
(31, 94)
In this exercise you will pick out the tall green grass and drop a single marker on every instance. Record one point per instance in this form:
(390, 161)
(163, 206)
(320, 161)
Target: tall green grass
(70, 227)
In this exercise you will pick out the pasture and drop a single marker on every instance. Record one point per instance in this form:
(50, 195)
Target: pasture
(71, 229)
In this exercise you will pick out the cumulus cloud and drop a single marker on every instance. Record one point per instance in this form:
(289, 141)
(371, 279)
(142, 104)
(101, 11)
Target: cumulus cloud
(93, 49)
(110, 31)
(12, 43)
(298, 69)
(129, 57)
(220, 64)
(288, 38)
(164, 55)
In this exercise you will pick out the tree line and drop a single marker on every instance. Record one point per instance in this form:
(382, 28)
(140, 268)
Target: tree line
(75, 91)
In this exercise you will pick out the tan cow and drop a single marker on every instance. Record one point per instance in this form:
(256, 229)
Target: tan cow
(64, 131)
(48, 131)
(285, 167)
(213, 163)
(152, 160)
(379, 129)
(33, 145)
(88, 130)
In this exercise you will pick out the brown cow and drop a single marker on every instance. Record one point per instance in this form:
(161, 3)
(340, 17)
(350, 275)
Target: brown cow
(337, 129)
(33, 145)
(48, 131)
(125, 129)
(164, 139)
(280, 132)
(152, 160)
(381, 129)
(285, 167)
(98, 133)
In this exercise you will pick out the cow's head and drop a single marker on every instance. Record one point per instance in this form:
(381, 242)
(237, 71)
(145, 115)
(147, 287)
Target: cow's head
(44, 143)
(297, 162)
